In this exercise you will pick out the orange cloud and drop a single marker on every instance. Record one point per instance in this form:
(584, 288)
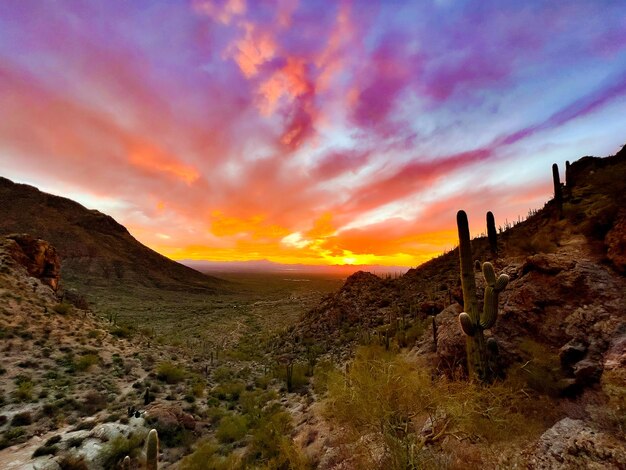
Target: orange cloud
(257, 227)
(252, 50)
(152, 159)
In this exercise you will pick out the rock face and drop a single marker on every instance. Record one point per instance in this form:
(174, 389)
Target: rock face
(571, 443)
(616, 243)
(38, 257)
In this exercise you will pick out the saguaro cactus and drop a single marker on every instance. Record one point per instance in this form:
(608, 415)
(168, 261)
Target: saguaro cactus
(152, 450)
(492, 234)
(558, 192)
(473, 322)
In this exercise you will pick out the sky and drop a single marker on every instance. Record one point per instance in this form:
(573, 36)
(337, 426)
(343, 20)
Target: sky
(312, 132)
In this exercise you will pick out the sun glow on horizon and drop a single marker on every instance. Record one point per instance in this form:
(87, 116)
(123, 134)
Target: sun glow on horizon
(319, 133)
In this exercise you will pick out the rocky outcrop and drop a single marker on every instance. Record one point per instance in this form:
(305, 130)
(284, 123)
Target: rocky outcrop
(571, 443)
(169, 418)
(38, 257)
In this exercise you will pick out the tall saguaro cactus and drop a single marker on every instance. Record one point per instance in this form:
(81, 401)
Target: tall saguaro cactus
(558, 192)
(152, 450)
(473, 322)
(492, 234)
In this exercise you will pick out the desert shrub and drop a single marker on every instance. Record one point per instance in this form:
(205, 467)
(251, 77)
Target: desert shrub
(391, 400)
(214, 414)
(170, 373)
(321, 374)
(12, 436)
(85, 362)
(198, 385)
(232, 428)
(229, 391)
(262, 381)
(53, 440)
(45, 450)
(121, 331)
(271, 445)
(206, 456)
(24, 390)
(63, 308)
(93, 402)
(299, 378)
(74, 442)
(119, 447)
(253, 402)
(223, 373)
(22, 419)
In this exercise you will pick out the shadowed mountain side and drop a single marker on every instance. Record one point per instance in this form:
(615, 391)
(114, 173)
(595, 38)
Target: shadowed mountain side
(95, 250)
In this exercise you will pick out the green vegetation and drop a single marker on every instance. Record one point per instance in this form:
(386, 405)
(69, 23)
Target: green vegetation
(85, 362)
(170, 373)
(119, 447)
(232, 428)
(63, 308)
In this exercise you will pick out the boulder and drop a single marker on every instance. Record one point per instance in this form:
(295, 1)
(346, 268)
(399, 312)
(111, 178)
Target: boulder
(571, 443)
(38, 257)
(169, 418)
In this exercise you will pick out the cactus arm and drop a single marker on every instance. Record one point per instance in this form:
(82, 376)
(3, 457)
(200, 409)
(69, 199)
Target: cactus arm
(489, 273)
(501, 283)
(490, 309)
(466, 324)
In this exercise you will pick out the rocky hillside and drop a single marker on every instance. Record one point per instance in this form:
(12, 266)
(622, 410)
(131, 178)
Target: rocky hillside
(566, 298)
(94, 249)
(558, 401)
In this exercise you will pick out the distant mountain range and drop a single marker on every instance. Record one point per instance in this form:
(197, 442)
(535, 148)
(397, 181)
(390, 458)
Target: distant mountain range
(95, 250)
(271, 267)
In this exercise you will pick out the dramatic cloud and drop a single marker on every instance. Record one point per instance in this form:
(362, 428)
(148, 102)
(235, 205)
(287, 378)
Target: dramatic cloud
(307, 131)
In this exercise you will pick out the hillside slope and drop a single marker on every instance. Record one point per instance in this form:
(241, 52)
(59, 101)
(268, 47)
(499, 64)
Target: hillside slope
(567, 295)
(95, 250)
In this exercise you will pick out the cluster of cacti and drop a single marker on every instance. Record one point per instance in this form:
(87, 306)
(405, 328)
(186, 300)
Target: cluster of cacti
(473, 322)
(492, 235)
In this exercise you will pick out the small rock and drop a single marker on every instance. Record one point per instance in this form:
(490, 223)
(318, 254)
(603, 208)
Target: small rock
(571, 353)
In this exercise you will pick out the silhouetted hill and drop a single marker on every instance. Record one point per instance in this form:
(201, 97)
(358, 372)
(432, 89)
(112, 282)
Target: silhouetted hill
(95, 250)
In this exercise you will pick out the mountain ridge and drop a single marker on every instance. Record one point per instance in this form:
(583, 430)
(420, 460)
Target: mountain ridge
(95, 249)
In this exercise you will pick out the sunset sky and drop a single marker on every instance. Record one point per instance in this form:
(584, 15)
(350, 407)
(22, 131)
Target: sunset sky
(315, 132)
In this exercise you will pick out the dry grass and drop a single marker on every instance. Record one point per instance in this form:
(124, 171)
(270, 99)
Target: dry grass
(395, 415)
